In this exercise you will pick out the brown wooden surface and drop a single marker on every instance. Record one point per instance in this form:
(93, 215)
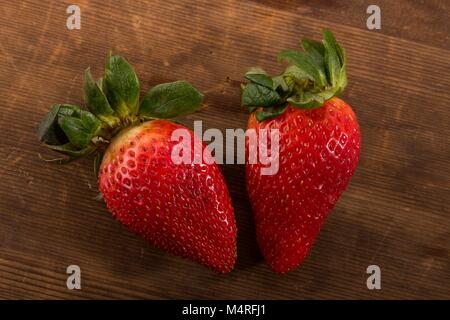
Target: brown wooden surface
(394, 214)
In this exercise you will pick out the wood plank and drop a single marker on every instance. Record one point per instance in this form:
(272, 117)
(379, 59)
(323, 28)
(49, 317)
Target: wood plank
(395, 212)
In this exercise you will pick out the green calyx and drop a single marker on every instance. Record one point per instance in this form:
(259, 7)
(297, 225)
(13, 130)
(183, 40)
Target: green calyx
(313, 76)
(112, 105)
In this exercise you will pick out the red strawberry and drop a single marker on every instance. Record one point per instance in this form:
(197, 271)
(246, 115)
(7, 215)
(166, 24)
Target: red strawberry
(319, 147)
(184, 208)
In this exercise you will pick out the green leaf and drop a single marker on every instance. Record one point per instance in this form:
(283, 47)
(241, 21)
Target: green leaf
(279, 82)
(80, 130)
(96, 100)
(310, 100)
(255, 95)
(327, 94)
(270, 112)
(68, 129)
(49, 131)
(74, 129)
(68, 110)
(170, 100)
(251, 108)
(90, 122)
(342, 54)
(299, 76)
(260, 77)
(305, 100)
(306, 63)
(342, 81)
(332, 60)
(99, 83)
(71, 150)
(121, 86)
(315, 49)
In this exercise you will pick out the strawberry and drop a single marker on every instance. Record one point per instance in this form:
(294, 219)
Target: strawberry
(181, 207)
(319, 148)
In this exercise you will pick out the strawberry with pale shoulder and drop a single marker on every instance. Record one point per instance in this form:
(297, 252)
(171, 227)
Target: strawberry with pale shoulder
(185, 208)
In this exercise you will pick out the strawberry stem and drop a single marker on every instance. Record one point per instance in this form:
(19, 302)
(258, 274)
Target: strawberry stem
(113, 105)
(313, 76)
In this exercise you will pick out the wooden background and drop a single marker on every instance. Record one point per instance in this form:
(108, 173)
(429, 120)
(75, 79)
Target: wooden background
(394, 214)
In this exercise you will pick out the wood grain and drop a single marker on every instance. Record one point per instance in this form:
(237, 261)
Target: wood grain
(395, 212)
